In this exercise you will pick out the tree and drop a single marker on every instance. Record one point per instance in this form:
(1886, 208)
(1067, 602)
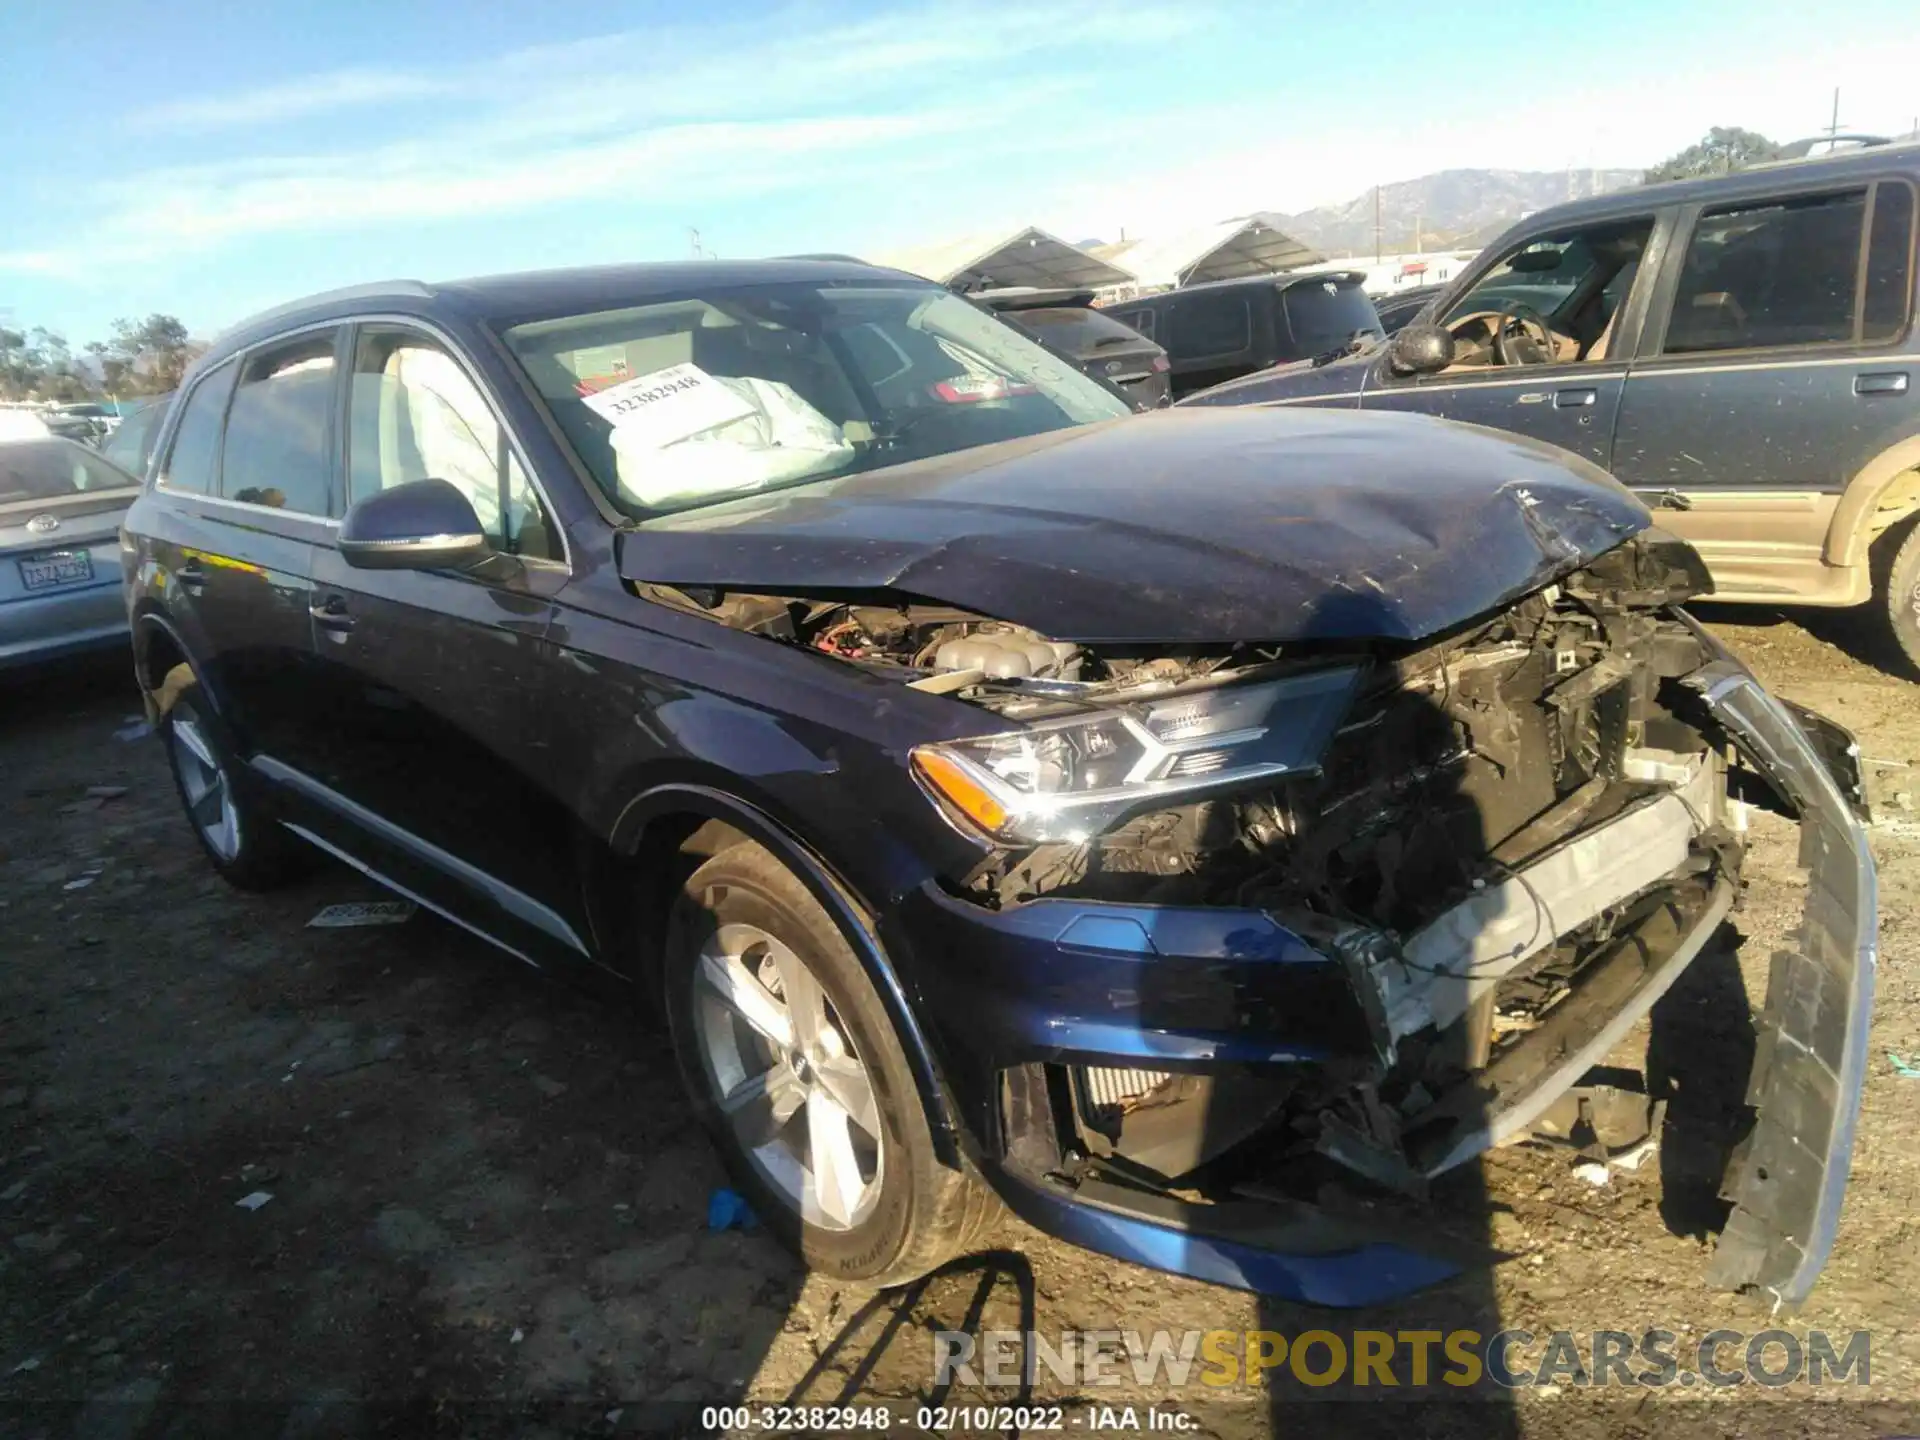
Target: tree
(1725, 149)
(39, 365)
(147, 358)
(144, 358)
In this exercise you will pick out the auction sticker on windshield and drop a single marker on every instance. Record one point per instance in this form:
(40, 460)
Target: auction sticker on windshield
(663, 406)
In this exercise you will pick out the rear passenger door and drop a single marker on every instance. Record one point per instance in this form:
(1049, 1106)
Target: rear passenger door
(249, 479)
(434, 680)
(1772, 372)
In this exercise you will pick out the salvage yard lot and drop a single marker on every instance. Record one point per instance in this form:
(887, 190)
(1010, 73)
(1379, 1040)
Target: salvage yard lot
(488, 1206)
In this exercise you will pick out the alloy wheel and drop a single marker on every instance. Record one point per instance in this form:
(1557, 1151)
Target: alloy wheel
(787, 1077)
(209, 793)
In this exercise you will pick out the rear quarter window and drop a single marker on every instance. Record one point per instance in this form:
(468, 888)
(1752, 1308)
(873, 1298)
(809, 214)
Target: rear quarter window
(1200, 326)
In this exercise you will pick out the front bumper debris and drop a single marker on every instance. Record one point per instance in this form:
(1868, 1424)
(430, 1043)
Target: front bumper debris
(1120, 998)
(1789, 1179)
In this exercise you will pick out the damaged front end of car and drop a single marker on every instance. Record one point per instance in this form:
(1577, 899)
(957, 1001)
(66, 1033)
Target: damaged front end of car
(1261, 940)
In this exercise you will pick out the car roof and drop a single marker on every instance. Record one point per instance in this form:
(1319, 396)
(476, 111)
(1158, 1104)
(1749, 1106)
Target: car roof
(1280, 279)
(504, 299)
(1754, 180)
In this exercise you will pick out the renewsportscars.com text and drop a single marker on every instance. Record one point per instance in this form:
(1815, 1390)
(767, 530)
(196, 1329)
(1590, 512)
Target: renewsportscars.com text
(1402, 1359)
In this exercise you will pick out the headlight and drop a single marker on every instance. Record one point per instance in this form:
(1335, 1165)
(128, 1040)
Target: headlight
(1073, 778)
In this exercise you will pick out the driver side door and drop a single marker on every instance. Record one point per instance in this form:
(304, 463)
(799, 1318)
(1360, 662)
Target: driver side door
(1573, 402)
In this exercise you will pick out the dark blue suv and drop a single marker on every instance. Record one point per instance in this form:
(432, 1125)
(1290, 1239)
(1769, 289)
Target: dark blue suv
(1739, 351)
(1145, 821)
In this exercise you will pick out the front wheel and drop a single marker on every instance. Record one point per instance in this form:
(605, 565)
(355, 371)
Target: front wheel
(797, 1073)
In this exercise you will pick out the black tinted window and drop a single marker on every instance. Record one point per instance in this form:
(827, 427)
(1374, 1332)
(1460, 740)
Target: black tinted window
(1210, 325)
(1077, 331)
(1324, 315)
(1774, 274)
(1889, 263)
(278, 450)
(196, 442)
(1141, 320)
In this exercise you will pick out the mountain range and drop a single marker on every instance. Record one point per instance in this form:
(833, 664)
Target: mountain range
(1448, 210)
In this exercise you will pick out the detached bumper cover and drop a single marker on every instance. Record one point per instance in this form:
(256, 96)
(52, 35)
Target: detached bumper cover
(1788, 1182)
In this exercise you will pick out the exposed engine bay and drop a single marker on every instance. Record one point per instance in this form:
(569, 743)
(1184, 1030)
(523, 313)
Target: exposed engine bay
(1512, 837)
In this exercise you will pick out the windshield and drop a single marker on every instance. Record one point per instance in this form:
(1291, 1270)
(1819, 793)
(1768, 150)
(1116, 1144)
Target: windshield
(33, 472)
(691, 401)
(1326, 315)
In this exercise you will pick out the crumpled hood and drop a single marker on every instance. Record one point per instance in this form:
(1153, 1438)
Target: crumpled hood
(1181, 526)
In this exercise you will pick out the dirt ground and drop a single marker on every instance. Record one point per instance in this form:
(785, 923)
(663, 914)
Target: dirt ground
(488, 1208)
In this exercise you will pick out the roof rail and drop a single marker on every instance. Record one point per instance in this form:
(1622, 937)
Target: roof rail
(1803, 149)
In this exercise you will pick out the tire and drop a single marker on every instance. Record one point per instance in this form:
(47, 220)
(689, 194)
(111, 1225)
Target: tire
(243, 843)
(1896, 556)
(744, 936)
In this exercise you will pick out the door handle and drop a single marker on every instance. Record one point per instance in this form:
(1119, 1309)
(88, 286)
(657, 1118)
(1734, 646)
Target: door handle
(191, 577)
(1574, 399)
(331, 614)
(1886, 382)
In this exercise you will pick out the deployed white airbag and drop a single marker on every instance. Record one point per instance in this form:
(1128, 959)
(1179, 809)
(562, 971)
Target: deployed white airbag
(682, 434)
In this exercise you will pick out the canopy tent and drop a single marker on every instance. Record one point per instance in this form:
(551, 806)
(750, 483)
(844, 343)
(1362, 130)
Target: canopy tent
(1025, 257)
(1229, 250)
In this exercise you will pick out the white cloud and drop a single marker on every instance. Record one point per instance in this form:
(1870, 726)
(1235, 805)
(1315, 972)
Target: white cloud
(293, 100)
(659, 118)
(917, 106)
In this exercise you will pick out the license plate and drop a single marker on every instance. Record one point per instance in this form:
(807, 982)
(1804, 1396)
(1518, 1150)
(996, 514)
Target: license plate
(59, 567)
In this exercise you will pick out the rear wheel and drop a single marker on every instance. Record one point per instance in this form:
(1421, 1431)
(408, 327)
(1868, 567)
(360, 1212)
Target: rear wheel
(795, 1069)
(1897, 584)
(248, 849)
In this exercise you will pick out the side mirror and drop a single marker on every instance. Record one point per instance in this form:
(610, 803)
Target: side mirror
(422, 525)
(1420, 350)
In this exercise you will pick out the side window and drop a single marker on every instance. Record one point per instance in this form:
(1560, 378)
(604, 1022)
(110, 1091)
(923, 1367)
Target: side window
(1782, 272)
(196, 441)
(415, 415)
(1889, 290)
(1205, 325)
(278, 450)
(1141, 320)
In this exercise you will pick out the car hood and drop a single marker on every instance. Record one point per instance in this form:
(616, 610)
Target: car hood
(1180, 526)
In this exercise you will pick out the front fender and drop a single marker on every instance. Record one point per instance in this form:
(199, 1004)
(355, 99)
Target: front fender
(840, 900)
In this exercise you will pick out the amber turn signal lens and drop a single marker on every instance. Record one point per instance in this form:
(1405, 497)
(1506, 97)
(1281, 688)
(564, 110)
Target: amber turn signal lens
(948, 779)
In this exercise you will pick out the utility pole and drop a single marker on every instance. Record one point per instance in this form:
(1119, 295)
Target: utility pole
(693, 243)
(1834, 128)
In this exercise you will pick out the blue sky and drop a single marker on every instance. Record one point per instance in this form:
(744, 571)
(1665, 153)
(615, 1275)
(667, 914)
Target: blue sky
(208, 159)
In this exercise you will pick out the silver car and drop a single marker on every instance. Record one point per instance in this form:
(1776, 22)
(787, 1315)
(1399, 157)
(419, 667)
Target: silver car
(60, 511)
